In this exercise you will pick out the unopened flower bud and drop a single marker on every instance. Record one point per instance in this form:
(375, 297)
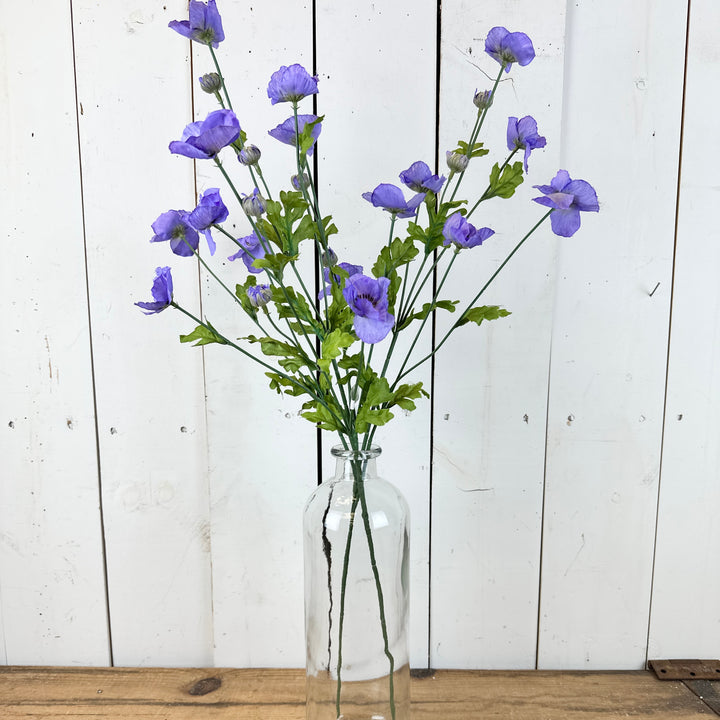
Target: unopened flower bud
(259, 295)
(211, 83)
(329, 258)
(300, 182)
(456, 161)
(483, 99)
(253, 205)
(249, 155)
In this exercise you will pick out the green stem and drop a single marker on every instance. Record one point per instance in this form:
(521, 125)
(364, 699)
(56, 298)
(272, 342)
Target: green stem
(476, 130)
(473, 301)
(484, 196)
(381, 601)
(217, 67)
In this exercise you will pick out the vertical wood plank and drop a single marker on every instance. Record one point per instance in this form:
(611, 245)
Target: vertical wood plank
(378, 98)
(622, 120)
(491, 381)
(262, 455)
(134, 95)
(52, 593)
(686, 588)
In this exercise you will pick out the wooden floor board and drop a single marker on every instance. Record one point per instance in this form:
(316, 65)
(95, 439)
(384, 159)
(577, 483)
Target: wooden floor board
(249, 694)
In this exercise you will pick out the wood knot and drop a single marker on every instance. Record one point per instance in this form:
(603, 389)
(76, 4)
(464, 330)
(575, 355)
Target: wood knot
(205, 686)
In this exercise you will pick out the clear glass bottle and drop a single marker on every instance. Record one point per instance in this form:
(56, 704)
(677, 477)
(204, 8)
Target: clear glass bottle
(356, 545)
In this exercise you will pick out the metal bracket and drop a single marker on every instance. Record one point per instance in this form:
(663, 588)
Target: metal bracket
(686, 669)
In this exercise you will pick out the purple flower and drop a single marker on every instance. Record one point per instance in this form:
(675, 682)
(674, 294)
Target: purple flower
(391, 198)
(285, 132)
(259, 295)
(568, 198)
(205, 139)
(251, 249)
(459, 231)
(290, 84)
(209, 211)
(204, 25)
(509, 47)
(162, 292)
(523, 134)
(368, 299)
(419, 178)
(174, 225)
(350, 269)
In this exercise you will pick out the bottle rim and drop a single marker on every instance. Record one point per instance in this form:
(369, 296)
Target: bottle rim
(338, 451)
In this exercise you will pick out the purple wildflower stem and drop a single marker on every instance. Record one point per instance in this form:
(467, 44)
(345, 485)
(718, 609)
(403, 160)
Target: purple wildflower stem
(473, 301)
(222, 79)
(489, 187)
(424, 320)
(476, 131)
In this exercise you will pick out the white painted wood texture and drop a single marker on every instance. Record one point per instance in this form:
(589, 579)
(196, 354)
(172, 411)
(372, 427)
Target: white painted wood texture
(686, 591)
(491, 382)
(150, 401)
(51, 571)
(262, 455)
(534, 530)
(609, 344)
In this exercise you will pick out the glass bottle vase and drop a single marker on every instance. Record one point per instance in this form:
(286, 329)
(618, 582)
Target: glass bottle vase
(356, 544)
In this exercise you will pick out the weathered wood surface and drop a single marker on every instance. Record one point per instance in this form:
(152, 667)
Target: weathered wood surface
(279, 694)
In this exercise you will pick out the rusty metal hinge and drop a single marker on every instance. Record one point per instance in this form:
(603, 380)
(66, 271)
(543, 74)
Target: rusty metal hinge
(686, 669)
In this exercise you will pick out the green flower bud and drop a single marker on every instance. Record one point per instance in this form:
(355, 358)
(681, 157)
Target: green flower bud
(249, 155)
(483, 99)
(211, 83)
(456, 161)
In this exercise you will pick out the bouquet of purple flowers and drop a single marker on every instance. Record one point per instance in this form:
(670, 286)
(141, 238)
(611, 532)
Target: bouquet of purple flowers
(319, 345)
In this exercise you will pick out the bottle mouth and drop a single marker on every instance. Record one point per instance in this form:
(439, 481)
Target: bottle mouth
(338, 451)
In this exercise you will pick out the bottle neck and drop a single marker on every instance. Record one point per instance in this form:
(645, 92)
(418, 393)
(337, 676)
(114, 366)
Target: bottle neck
(351, 466)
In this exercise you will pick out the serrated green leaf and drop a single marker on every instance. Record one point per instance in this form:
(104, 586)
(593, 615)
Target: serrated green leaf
(203, 335)
(392, 256)
(372, 417)
(332, 345)
(275, 262)
(306, 139)
(284, 385)
(477, 149)
(481, 313)
(427, 308)
(504, 185)
(406, 394)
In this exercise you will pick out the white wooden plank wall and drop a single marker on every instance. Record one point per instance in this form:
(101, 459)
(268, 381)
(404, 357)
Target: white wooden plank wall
(565, 481)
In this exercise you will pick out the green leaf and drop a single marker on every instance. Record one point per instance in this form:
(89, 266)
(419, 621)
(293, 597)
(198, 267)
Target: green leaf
(275, 262)
(504, 185)
(306, 139)
(319, 414)
(276, 348)
(476, 151)
(283, 385)
(482, 312)
(372, 417)
(405, 395)
(378, 392)
(332, 346)
(203, 335)
(427, 308)
(392, 256)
